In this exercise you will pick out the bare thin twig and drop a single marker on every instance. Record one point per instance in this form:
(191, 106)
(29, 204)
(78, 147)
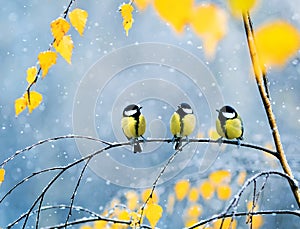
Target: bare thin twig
(259, 74)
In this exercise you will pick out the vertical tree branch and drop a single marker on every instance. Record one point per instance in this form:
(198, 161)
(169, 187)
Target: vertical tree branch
(259, 74)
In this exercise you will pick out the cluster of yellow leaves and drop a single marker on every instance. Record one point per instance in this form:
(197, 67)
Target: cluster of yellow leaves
(218, 182)
(132, 212)
(207, 20)
(31, 101)
(63, 45)
(126, 13)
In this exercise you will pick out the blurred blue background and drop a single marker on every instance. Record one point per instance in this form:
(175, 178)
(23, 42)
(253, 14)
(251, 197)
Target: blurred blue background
(25, 31)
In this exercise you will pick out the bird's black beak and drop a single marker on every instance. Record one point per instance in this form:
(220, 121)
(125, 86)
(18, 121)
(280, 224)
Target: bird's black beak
(217, 110)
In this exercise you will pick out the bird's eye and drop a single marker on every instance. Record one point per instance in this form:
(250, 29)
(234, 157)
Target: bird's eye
(187, 110)
(228, 115)
(130, 112)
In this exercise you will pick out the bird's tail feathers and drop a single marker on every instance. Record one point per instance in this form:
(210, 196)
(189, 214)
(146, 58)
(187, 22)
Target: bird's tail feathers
(137, 148)
(178, 143)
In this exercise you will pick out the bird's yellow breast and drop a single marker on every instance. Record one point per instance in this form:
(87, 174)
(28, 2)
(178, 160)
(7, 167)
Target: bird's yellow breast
(232, 128)
(175, 125)
(130, 129)
(184, 128)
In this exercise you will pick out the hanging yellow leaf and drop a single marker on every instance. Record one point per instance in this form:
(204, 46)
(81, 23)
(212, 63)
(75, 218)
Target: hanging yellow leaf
(46, 60)
(142, 4)
(241, 178)
(146, 194)
(2, 174)
(238, 6)
(126, 13)
(175, 12)
(59, 28)
(65, 48)
(210, 23)
(276, 43)
(20, 105)
(220, 176)
(207, 189)
(181, 189)
(224, 192)
(153, 213)
(193, 195)
(34, 100)
(78, 18)
(31, 74)
(227, 224)
(194, 211)
(132, 200)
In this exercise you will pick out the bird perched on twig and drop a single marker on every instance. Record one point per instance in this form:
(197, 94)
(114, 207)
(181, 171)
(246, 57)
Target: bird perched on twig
(133, 125)
(182, 124)
(229, 124)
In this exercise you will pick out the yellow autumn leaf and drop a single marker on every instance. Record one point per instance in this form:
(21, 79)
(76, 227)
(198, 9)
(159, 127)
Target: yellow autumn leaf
(2, 174)
(59, 28)
(142, 4)
(33, 100)
(276, 43)
(194, 211)
(126, 13)
(100, 224)
(46, 60)
(224, 192)
(65, 48)
(207, 189)
(153, 213)
(181, 189)
(227, 224)
(146, 194)
(175, 12)
(20, 105)
(210, 23)
(31, 74)
(78, 18)
(241, 178)
(132, 200)
(220, 176)
(193, 195)
(257, 221)
(238, 6)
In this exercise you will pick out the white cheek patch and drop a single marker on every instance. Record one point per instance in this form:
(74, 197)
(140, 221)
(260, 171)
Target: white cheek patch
(187, 110)
(228, 115)
(130, 113)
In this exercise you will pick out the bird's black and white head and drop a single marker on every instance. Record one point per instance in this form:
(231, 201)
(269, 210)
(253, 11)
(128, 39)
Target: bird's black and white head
(132, 110)
(227, 112)
(184, 109)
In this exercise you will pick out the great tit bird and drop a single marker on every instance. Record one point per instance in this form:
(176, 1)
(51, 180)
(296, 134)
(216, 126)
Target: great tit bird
(182, 123)
(229, 124)
(133, 125)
